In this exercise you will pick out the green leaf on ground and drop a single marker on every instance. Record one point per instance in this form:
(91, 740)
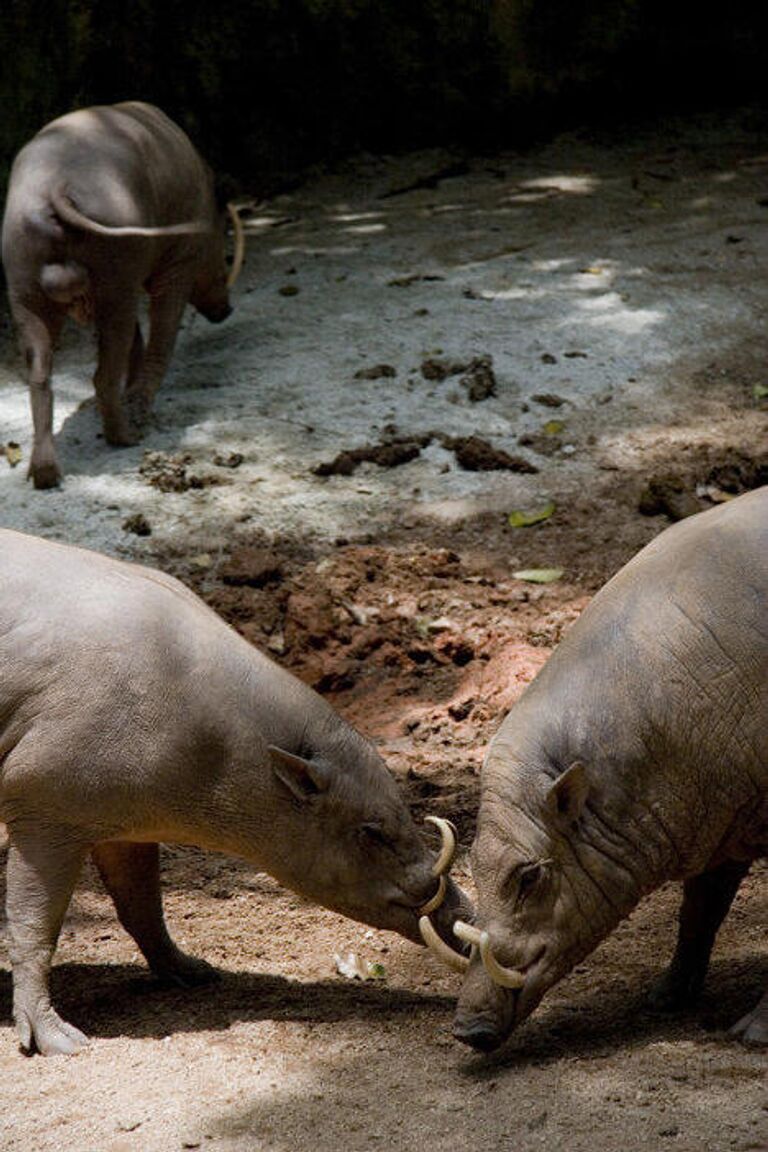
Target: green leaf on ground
(520, 519)
(538, 575)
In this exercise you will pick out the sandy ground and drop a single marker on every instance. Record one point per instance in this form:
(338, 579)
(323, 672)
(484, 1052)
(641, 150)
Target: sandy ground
(618, 287)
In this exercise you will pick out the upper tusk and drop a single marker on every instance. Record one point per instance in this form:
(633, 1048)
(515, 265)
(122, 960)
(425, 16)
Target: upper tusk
(467, 932)
(448, 846)
(506, 977)
(237, 262)
(437, 899)
(442, 950)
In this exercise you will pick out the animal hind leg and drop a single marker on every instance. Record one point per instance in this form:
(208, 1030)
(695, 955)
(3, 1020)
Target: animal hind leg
(38, 333)
(116, 325)
(166, 309)
(131, 874)
(706, 900)
(42, 873)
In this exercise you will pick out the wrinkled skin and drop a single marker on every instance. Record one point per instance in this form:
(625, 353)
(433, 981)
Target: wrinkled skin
(638, 755)
(131, 714)
(120, 166)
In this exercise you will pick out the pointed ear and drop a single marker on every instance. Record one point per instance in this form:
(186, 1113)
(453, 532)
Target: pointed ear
(568, 795)
(305, 778)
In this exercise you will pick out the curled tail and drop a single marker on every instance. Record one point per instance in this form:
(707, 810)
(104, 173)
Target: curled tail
(71, 215)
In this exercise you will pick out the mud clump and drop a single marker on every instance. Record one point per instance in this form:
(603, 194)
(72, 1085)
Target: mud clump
(669, 496)
(435, 369)
(250, 567)
(138, 525)
(548, 399)
(480, 380)
(709, 480)
(476, 455)
(389, 454)
(477, 375)
(376, 372)
(170, 473)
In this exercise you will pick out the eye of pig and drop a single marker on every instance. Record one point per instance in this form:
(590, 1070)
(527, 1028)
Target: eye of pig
(522, 880)
(374, 834)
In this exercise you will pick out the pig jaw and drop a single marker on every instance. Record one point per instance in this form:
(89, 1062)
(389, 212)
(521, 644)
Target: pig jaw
(485, 1014)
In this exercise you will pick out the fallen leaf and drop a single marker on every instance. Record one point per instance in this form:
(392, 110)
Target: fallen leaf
(538, 575)
(553, 427)
(354, 968)
(13, 453)
(760, 391)
(519, 519)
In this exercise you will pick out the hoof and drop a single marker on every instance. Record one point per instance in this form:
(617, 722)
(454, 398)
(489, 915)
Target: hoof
(752, 1029)
(50, 1036)
(45, 476)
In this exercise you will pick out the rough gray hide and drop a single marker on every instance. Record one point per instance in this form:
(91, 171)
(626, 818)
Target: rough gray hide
(105, 203)
(131, 714)
(639, 754)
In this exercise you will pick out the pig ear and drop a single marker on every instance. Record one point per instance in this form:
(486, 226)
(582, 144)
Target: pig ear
(567, 796)
(305, 778)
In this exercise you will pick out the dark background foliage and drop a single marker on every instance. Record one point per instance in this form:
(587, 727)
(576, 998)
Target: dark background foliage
(266, 87)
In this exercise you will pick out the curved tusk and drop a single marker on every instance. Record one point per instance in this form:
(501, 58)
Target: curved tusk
(448, 846)
(505, 977)
(442, 950)
(437, 899)
(467, 932)
(237, 261)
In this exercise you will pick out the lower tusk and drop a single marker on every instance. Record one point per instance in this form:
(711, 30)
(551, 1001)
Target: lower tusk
(442, 950)
(448, 846)
(437, 899)
(505, 977)
(237, 262)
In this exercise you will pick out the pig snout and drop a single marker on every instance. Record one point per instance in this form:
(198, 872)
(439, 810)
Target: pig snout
(216, 312)
(485, 1012)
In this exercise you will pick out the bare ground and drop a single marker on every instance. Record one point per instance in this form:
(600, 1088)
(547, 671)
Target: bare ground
(620, 292)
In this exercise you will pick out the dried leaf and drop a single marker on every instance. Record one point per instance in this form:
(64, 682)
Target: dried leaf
(13, 453)
(520, 519)
(553, 427)
(351, 966)
(538, 575)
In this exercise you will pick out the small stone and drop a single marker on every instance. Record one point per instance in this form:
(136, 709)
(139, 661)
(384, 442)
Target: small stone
(376, 372)
(548, 399)
(289, 290)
